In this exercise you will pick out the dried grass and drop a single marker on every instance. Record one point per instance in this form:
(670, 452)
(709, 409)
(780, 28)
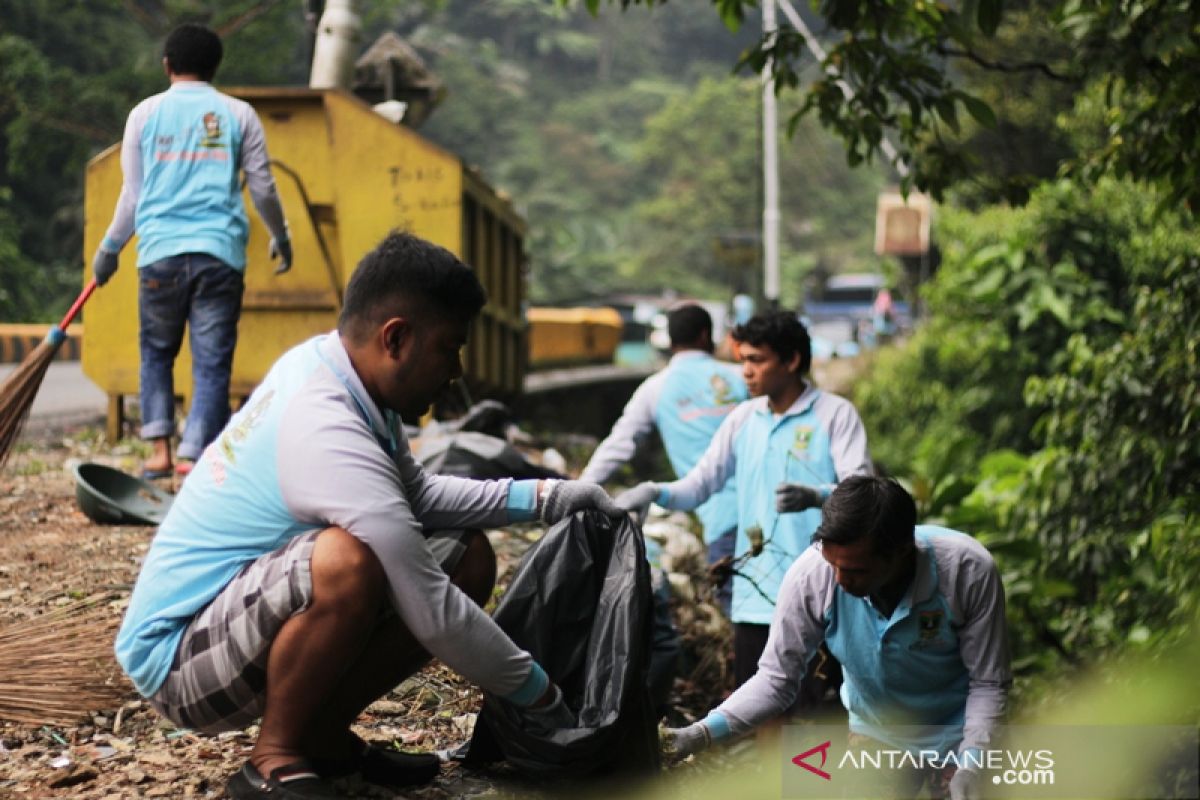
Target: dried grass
(58, 666)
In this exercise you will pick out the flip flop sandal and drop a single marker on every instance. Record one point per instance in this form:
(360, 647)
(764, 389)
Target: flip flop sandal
(296, 781)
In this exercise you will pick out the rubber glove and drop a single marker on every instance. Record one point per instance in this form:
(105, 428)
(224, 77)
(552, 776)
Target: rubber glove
(797, 497)
(104, 264)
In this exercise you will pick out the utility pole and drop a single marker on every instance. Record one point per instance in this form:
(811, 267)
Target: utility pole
(770, 166)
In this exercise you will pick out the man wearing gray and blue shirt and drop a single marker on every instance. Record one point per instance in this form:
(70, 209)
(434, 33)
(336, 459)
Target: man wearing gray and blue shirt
(305, 568)
(788, 447)
(181, 156)
(915, 615)
(687, 402)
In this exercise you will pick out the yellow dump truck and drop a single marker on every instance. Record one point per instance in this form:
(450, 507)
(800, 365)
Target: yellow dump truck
(346, 177)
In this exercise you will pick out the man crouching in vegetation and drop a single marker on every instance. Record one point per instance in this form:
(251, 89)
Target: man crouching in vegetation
(915, 615)
(295, 578)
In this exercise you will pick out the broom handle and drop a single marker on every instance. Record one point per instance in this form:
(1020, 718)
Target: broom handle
(79, 301)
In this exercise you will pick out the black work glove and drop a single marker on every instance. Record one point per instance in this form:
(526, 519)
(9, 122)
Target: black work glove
(638, 499)
(104, 264)
(797, 497)
(567, 497)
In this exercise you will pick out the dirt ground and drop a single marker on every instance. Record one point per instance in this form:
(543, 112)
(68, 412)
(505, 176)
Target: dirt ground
(51, 554)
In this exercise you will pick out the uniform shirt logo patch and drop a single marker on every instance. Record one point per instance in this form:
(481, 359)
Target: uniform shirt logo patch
(212, 131)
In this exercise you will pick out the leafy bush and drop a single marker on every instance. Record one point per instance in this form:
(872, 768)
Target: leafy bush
(1050, 407)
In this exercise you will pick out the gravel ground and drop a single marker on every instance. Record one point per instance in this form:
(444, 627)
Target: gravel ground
(51, 554)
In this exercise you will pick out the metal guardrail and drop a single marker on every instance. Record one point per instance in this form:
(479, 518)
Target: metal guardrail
(18, 339)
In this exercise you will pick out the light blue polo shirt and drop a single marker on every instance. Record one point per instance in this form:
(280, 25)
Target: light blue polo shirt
(939, 662)
(818, 441)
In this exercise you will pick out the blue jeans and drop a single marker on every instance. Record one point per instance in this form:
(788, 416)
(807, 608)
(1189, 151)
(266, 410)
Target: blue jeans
(204, 293)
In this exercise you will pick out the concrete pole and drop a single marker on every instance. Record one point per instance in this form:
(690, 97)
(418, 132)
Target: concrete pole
(770, 135)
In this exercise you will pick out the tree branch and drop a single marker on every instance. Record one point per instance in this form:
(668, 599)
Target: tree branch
(999, 66)
(232, 26)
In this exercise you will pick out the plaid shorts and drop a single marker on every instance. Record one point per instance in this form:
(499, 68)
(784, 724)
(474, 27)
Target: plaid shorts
(218, 679)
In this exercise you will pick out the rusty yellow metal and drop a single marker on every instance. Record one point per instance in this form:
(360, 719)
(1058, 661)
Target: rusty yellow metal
(346, 177)
(562, 336)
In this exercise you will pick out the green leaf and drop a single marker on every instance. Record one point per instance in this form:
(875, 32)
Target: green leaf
(979, 110)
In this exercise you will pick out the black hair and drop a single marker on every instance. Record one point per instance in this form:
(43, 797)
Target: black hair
(193, 49)
(407, 275)
(782, 331)
(687, 326)
(867, 506)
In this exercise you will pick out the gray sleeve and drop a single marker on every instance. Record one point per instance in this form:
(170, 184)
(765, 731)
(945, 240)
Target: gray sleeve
(797, 630)
(847, 436)
(332, 472)
(635, 424)
(120, 230)
(712, 470)
(983, 644)
(256, 164)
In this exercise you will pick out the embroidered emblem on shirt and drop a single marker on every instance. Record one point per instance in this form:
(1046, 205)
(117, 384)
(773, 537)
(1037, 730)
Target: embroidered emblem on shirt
(803, 438)
(929, 623)
(722, 391)
(212, 131)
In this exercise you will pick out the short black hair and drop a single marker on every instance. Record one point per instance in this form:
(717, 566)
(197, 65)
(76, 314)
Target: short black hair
(868, 506)
(687, 325)
(782, 331)
(406, 274)
(193, 49)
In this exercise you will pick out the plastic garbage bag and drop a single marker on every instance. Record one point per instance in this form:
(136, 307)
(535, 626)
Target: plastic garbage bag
(580, 603)
(467, 454)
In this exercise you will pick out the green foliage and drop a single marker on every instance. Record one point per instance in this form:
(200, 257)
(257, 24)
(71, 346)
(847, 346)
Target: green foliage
(915, 70)
(1050, 407)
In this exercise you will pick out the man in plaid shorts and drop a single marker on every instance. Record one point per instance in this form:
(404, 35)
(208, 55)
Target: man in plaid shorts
(296, 578)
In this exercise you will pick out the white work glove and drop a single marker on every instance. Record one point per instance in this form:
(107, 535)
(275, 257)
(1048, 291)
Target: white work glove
(104, 264)
(281, 249)
(638, 499)
(679, 743)
(966, 785)
(567, 497)
(553, 716)
(796, 497)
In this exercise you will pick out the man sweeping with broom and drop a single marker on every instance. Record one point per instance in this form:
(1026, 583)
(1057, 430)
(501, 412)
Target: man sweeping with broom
(181, 156)
(297, 577)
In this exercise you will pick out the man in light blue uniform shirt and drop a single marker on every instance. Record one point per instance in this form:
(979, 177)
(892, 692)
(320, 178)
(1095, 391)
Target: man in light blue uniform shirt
(686, 402)
(915, 615)
(305, 568)
(182, 154)
(788, 447)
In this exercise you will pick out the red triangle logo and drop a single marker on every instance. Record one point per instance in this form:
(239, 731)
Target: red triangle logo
(823, 749)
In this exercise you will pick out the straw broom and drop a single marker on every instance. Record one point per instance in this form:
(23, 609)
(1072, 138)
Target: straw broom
(21, 387)
(58, 666)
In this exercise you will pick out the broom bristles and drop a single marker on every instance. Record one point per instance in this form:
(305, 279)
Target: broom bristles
(18, 393)
(58, 666)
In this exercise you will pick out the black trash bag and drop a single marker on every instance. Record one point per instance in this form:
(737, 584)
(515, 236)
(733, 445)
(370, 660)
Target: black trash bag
(580, 603)
(467, 454)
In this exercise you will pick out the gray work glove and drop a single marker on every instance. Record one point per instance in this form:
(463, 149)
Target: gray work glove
(281, 249)
(796, 497)
(966, 785)
(104, 264)
(567, 497)
(553, 716)
(679, 743)
(638, 499)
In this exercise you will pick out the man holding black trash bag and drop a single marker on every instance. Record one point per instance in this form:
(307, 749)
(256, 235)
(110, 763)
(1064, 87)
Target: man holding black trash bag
(304, 569)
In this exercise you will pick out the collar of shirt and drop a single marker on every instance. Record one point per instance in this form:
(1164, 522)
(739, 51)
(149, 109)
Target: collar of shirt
(799, 406)
(334, 354)
(687, 355)
(189, 85)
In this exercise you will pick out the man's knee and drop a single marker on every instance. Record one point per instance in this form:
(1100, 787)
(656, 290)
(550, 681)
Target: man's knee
(345, 570)
(475, 573)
